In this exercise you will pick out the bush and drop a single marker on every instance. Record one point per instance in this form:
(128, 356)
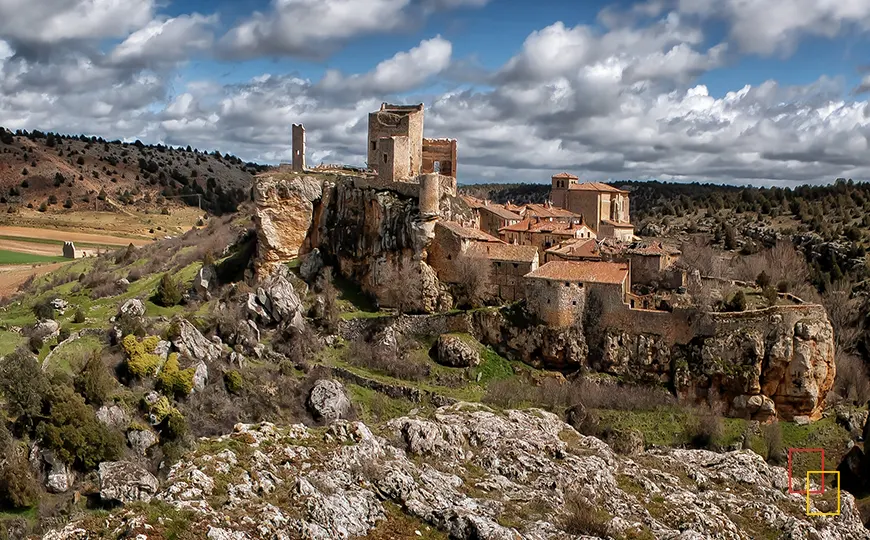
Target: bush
(583, 517)
(93, 380)
(174, 427)
(141, 360)
(770, 295)
(233, 382)
(705, 430)
(74, 433)
(79, 316)
(737, 302)
(23, 384)
(18, 487)
(363, 354)
(174, 381)
(44, 310)
(168, 291)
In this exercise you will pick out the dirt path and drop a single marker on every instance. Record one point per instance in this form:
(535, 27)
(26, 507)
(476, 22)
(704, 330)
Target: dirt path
(69, 236)
(52, 250)
(11, 277)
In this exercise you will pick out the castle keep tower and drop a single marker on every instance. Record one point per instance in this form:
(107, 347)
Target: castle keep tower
(394, 121)
(298, 148)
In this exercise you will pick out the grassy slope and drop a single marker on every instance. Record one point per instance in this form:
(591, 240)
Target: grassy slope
(14, 257)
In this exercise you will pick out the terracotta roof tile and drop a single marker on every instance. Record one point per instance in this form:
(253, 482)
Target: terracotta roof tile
(504, 252)
(581, 248)
(467, 232)
(544, 226)
(500, 211)
(472, 202)
(565, 175)
(596, 186)
(549, 211)
(582, 271)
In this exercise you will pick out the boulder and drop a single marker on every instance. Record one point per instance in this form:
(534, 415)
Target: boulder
(141, 440)
(328, 401)
(60, 305)
(276, 301)
(629, 442)
(455, 351)
(126, 482)
(191, 343)
(200, 377)
(57, 476)
(46, 329)
(311, 265)
(385, 343)
(113, 416)
(852, 420)
(162, 349)
(204, 282)
(132, 308)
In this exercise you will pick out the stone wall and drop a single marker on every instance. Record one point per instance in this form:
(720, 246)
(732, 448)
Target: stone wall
(555, 303)
(404, 121)
(394, 163)
(442, 151)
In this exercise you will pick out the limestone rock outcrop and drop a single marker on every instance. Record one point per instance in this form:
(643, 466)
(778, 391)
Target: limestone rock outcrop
(328, 401)
(454, 351)
(126, 482)
(471, 473)
(191, 343)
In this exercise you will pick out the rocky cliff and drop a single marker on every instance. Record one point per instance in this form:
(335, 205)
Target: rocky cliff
(468, 472)
(372, 232)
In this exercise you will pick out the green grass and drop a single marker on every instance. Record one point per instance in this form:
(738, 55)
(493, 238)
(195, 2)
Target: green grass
(49, 241)
(72, 353)
(9, 341)
(14, 257)
(666, 426)
(376, 407)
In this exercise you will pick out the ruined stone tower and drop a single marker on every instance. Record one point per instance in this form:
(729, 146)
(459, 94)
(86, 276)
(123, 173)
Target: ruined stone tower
(298, 148)
(393, 122)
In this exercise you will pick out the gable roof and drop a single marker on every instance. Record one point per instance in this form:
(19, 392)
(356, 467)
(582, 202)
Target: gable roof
(582, 272)
(549, 211)
(565, 175)
(467, 232)
(543, 226)
(472, 202)
(595, 186)
(504, 252)
(500, 211)
(582, 248)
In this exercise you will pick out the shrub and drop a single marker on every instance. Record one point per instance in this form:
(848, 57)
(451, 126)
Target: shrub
(233, 382)
(74, 433)
(737, 302)
(770, 295)
(168, 291)
(704, 430)
(762, 280)
(582, 517)
(79, 316)
(363, 354)
(174, 381)
(23, 384)
(135, 274)
(93, 380)
(141, 360)
(18, 487)
(175, 426)
(44, 310)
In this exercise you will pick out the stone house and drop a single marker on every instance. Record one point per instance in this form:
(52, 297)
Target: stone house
(494, 217)
(604, 208)
(509, 265)
(544, 234)
(558, 292)
(450, 242)
(650, 261)
(549, 212)
(580, 250)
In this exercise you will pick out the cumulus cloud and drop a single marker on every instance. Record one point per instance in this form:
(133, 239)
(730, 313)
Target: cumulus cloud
(403, 72)
(769, 27)
(311, 28)
(166, 40)
(53, 21)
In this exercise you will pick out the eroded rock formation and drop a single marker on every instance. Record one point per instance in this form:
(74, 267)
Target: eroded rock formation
(472, 473)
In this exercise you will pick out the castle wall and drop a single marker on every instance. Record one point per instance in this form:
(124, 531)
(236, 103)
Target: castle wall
(430, 194)
(646, 269)
(507, 279)
(442, 151)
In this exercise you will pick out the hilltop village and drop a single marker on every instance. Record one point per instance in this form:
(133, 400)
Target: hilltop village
(549, 254)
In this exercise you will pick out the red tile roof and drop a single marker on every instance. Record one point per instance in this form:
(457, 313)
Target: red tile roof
(618, 224)
(504, 252)
(472, 202)
(565, 175)
(548, 211)
(500, 211)
(467, 233)
(587, 248)
(544, 226)
(582, 272)
(596, 186)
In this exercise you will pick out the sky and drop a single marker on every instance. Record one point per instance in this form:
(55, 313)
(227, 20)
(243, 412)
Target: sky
(763, 92)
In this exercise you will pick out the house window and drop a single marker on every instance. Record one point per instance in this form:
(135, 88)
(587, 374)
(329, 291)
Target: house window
(374, 145)
(574, 302)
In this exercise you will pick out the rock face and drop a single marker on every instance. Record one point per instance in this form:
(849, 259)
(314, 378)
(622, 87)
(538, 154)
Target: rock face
(472, 473)
(204, 282)
(126, 482)
(328, 401)
(113, 416)
(132, 308)
(452, 350)
(373, 234)
(56, 475)
(191, 343)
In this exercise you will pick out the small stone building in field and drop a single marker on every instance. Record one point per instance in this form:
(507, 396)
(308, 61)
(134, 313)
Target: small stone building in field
(508, 266)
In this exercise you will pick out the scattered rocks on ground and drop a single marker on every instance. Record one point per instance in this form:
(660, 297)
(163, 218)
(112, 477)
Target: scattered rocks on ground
(141, 440)
(328, 400)
(454, 351)
(60, 305)
(191, 343)
(46, 329)
(126, 482)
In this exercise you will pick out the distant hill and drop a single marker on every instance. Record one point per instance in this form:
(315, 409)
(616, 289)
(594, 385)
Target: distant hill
(56, 173)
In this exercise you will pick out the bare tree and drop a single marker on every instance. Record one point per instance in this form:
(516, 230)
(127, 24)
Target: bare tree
(844, 313)
(852, 382)
(404, 287)
(329, 314)
(784, 263)
(473, 279)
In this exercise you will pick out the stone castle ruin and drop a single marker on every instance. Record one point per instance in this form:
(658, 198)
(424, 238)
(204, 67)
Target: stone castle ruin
(399, 229)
